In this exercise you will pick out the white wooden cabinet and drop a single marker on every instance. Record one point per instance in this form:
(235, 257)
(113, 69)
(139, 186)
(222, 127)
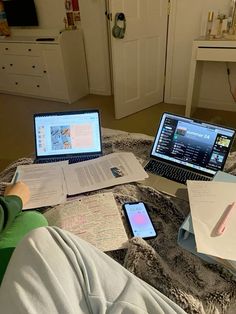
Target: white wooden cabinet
(45, 69)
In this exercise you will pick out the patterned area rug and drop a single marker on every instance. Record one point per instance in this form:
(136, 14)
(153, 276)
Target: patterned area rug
(193, 284)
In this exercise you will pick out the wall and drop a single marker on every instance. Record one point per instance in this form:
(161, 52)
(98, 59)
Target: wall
(94, 25)
(50, 15)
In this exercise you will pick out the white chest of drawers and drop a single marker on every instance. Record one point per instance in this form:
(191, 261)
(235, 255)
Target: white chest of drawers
(46, 69)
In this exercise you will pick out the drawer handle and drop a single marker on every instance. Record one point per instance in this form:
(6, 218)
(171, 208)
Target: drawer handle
(6, 48)
(33, 66)
(44, 71)
(16, 83)
(3, 68)
(38, 85)
(29, 49)
(11, 64)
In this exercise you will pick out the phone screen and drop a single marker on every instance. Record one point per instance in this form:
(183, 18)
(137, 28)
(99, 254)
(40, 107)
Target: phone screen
(139, 220)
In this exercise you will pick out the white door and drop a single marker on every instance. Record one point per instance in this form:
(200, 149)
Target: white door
(138, 60)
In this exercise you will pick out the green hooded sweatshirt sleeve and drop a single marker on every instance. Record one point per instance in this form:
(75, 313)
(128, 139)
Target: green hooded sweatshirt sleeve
(14, 225)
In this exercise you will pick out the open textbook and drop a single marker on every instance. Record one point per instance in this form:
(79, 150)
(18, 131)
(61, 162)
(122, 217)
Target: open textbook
(95, 218)
(51, 183)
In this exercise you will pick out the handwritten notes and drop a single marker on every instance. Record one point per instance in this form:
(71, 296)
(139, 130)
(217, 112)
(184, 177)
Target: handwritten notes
(95, 219)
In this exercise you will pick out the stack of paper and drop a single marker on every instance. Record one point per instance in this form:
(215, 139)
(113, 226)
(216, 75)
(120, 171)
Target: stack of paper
(50, 183)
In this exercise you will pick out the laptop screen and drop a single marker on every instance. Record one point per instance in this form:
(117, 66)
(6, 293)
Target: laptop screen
(195, 144)
(67, 133)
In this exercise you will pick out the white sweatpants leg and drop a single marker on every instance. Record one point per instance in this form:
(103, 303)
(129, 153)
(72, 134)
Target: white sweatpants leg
(53, 271)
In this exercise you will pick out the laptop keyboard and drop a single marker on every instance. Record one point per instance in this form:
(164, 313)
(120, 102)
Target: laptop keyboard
(70, 160)
(172, 172)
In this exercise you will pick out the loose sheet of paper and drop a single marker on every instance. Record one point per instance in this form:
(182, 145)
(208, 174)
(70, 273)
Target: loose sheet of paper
(109, 170)
(46, 183)
(95, 219)
(208, 201)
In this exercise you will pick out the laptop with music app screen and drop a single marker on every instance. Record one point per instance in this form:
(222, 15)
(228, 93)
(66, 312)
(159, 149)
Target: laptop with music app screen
(73, 136)
(186, 149)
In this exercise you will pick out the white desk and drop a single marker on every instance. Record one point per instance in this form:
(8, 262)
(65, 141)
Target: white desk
(206, 50)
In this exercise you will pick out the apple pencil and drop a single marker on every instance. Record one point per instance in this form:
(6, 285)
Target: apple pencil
(221, 225)
(16, 177)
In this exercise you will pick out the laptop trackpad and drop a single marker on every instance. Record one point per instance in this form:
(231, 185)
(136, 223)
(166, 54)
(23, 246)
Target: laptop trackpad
(167, 186)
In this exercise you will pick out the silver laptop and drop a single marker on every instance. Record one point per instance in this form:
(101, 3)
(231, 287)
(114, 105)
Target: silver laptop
(186, 149)
(73, 136)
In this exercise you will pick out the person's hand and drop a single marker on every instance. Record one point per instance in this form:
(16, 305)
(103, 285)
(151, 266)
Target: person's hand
(19, 189)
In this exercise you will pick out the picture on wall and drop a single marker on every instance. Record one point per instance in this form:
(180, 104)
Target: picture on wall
(72, 17)
(68, 5)
(75, 5)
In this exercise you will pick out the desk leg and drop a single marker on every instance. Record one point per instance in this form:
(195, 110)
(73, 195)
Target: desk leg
(190, 92)
(197, 83)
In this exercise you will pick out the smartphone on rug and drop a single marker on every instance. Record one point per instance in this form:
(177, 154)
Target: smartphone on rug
(139, 220)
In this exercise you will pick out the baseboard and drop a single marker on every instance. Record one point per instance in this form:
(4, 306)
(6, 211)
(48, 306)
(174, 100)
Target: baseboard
(99, 92)
(217, 106)
(205, 103)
